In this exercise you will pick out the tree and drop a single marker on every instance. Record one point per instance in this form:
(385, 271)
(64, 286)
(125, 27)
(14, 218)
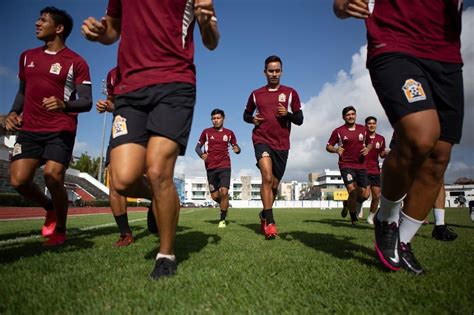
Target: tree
(87, 164)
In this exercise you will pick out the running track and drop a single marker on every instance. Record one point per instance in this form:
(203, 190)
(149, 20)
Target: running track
(11, 213)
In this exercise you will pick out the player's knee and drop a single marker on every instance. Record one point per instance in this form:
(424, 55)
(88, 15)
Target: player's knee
(17, 182)
(53, 179)
(159, 177)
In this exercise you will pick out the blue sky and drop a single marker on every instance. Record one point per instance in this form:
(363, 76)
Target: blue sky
(323, 59)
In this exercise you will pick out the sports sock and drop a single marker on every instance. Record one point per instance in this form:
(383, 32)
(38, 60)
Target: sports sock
(122, 222)
(268, 215)
(353, 216)
(438, 216)
(408, 227)
(223, 214)
(371, 216)
(389, 210)
(170, 257)
(49, 206)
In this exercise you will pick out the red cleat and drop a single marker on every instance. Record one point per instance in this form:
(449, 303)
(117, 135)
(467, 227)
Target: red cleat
(271, 231)
(56, 239)
(49, 224)
(124, 240)
(263, 222)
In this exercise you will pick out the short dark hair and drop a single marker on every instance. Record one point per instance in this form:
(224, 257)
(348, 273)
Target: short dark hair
(272, 58)
(218, 111)
(347, 109)
(369, 119)
(60, 17)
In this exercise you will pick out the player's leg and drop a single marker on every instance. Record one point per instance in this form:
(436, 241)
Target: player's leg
(224, 206)
(441, 231)
(374, 204)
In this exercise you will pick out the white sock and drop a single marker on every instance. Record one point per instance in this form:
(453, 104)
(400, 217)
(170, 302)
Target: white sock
(438, 216)
(371, 216)
(170, 257)
(408, 227)
(389, 210)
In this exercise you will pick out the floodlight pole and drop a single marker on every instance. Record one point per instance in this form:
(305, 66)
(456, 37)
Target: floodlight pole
(104, 92)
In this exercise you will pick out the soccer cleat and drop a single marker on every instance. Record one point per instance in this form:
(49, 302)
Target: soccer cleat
(124, 240)
(387, 244)
(409, 261)
(360, 213)
(345, 209)
(222, 224)
(151, 221)
(55, 239)
(49, 224)
(443, 233)
(263, 222)
(270, 231)
(164, 267)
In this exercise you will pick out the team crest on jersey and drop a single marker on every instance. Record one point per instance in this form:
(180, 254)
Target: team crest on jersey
(119, 127)
(282, 97)
(16, 149)
(225, 138)
(361, 137)
(212, 137)
(349, 177)
(413, 91)
(31, 65)
(377, 145)
(55, 68)
(265, 154)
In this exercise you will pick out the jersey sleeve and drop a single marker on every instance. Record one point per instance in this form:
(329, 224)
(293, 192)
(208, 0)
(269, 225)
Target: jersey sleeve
(382, 147)
(295, 102)
(111, 81)
(334, 138)
(81, 75)
(202, 138)
(233, 140)
(250, 108)
(22, 63)
(114, 9)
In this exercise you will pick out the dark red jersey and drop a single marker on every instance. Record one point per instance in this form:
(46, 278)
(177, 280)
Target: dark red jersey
(156, 42)
(216, 145)
(423, 28)
(353, 141)
(111, 81)
(273, 130)
(49, 74)
(372, 159)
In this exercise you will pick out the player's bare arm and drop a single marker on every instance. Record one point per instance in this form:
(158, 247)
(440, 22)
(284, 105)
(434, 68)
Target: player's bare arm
(106, 31)
(204, 12)
(236, 149)
(351, 8)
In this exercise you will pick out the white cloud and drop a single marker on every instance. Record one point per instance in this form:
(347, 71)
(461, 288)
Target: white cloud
(8, 74)
(189, 167)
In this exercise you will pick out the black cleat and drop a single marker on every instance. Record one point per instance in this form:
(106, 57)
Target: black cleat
(151, 221)
(344, 210)
(409, 261)
(164, 267)
(387, 244)
(443, 233)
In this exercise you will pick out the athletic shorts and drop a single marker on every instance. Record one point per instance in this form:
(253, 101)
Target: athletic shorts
(406, 84)
(217, 178)
(44, 146)
(373, 179)
(162, 109)
(279, 158)
(351, 175)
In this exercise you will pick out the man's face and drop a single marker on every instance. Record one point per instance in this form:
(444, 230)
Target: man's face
(273, 73)
(217, 121)
(45, 27)
(371, 126)
(350, 117)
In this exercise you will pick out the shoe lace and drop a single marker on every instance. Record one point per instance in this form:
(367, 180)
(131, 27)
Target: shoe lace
(387, 233)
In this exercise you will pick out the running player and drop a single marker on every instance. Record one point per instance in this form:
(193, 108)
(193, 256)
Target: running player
(352, 147)
(441, 231)
(373, 167)
(271, 135)
(154, 99)
(54, 87)
(217, 161)
(415, 64)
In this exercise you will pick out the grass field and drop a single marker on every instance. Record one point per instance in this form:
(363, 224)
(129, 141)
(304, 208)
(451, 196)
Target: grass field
(319, 264)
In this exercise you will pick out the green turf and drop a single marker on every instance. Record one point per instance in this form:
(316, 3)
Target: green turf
(319, 264)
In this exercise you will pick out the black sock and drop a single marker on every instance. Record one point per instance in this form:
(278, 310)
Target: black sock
(122, 222)
(353, 216)
(59, 229)
(49, 206)
(223, 214)
(268, 215)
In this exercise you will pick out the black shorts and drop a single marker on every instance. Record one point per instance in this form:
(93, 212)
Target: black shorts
(279, 158)
(351, 175)
(406, 84)
(162, 109)
(217, 178)
(374, 179)
(44, 146)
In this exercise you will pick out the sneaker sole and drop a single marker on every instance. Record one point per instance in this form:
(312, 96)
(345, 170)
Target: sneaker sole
(383, 260)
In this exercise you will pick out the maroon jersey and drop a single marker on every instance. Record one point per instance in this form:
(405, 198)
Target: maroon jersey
(216, 144)
(49, 74)
(273, 130)
(423, 28)
(156, 43)
(353, 141)
(111, 81)
(372, 159)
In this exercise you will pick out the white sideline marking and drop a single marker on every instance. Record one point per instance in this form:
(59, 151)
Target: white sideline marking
(86, 228)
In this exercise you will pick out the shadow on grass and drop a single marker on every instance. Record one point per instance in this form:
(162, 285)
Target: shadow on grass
(338, 247)
(189, 243)
(342, 223)
(254, 227)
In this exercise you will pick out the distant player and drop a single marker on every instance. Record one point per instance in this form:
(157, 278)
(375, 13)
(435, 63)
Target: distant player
(216, 157)
(415, 64)
(373, 168)
(276, 107)
(351, 143)
(54, 87)
(441, 231)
